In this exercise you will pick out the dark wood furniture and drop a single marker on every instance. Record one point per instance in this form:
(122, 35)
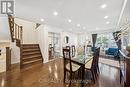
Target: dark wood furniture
(92, 65)
(124, 68)
(51, 53)
(69, 66)
(0, 51)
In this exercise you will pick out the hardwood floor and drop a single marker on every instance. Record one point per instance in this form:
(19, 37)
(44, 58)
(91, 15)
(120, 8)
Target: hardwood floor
(51, 75)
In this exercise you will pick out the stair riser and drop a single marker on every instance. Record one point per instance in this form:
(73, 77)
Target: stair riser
(36, 50)
(30, 54)
(28, 47)
(31, 59)
(31, 64)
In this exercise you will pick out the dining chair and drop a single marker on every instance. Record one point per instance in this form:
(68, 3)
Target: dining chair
(68, 47)
(69, 66)
(97, 61)
(73, 50)
(91, 65)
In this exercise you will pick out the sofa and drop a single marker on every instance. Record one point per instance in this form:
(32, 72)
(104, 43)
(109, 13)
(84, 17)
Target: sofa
(113, 52)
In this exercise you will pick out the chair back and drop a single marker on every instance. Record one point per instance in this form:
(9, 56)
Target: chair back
(95, 58)
(73, 51)
(67, 58)
(68, 47)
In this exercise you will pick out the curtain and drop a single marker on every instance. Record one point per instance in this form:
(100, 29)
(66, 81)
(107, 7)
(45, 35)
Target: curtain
(94, 38)
(117, 38)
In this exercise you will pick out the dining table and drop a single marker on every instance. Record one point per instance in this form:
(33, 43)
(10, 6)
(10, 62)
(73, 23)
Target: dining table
(82, 60)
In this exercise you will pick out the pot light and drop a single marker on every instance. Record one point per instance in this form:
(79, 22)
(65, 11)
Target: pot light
(78, 25)
(55, 13)
(80, 32)
(69, 20)
(106, 17)
(97, 28)
(84, 28)
(108, 22)
(70, 29)
(42, 20)
(103, 6)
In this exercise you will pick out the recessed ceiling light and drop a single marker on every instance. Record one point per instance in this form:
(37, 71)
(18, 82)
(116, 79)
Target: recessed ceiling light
(78, 25)
(97, 28)
(103, 6)
(84, 28)
(106, 17)
(42, 20)
(69, 20)
(107, 22)
(80, 32)
(70, 29)
(55, 13)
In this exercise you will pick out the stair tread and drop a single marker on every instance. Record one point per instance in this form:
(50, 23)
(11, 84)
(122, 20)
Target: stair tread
(30, 50)
(31, 56)
(31, 61)
(29, 44)
(32, 53)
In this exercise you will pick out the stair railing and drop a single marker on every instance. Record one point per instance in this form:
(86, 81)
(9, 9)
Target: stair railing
(15, 30)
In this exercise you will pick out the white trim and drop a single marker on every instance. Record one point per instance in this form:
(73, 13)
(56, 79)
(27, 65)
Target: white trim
(122, 11)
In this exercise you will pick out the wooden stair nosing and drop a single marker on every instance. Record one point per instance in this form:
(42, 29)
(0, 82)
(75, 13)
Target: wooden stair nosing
(31, 53)
(29, 57)
(38, 60)
(29, 44)
(30, 50)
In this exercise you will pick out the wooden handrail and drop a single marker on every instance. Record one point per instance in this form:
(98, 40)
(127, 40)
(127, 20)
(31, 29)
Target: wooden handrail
(15, 30)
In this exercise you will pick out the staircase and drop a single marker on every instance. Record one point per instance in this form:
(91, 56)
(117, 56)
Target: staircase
(30, 55)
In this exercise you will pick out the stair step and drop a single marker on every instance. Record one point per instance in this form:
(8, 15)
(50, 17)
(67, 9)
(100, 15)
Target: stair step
(31, 59)
(31, 53)
(29, 45)
(29, 62)
(31, 56)
(28, 50)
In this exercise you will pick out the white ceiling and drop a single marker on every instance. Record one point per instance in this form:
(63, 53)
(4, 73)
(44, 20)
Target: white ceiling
(88, 13)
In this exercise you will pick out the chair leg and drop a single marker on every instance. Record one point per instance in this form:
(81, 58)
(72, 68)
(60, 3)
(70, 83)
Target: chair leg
(70, 79)
(64, 75)
(93, 75)
(98, 69)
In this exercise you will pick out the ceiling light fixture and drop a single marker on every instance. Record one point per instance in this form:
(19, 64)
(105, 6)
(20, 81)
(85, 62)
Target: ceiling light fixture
(106, 17)
(103, 6)
(97, 28)
(84, 28)
(108, 22)
(42, 20)
(55, 13)
(69, 20)
(70, 29)
(78, 25)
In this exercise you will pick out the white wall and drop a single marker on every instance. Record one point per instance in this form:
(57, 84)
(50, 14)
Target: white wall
(43, 41)
(29, 31)
(4, 28)
(15, 53)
